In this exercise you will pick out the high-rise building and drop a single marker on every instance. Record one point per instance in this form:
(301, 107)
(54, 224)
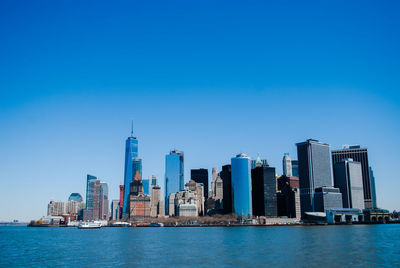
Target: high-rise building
(348, 178)
(94, 205)
(288, 197)
(200, 176)
(295, 168)
(153, 182)
(263, 183)
(75, 197)
(105, 215)
(131, 152)
(174, 180)
(373, 189)
(146, 186)
(157, 207)
(358, 154)
(314, 171)
(115, 210)
(241, 185)
(258, 162)
(89, 191)
(139, 203)
(287, 166)
(121, 200)
(227, 201)
(214, 175)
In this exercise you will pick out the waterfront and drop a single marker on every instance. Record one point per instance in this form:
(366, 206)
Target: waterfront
(367, 245)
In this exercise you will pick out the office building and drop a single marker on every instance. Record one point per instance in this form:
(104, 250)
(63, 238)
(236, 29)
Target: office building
(227, 201)
(348, 178)
(89, 192)
(241, 185)
(373, 189)
(75, 197)
(146, 186)
(121, 200)
(263, 183)
(258, 162)
(157, 207)
(153, 182)
(295, 168)
(174, 176)
(287, 165)
(185, 203)
(288, 197)
(115, 210)
(327, 198)
(314, 171)
(358, 154)
(105, 211)
(131, 152)
(139, 203)
(201, 176)
(214, 175)
(198, 189)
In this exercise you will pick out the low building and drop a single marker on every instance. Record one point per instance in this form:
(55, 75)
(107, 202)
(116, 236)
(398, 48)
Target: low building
(376, 215)
(344, 215)
(187, 210)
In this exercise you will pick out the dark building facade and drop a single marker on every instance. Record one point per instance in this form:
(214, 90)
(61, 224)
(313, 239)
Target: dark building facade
(295, 168)
(263, 183)
(200, 176)
(358, 154)
(288, 200)
(314, 171)
(226, 176)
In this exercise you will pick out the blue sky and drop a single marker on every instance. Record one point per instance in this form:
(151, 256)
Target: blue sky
(210, 78)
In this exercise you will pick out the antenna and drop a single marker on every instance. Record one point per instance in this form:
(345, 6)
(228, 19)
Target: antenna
(132, 128)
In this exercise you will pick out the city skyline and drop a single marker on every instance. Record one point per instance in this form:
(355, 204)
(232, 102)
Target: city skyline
(212, 81)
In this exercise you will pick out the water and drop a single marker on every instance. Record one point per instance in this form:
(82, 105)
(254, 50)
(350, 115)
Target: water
(312, 246)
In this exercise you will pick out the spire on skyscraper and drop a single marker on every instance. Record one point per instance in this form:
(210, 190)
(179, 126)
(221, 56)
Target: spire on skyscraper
(132, 128)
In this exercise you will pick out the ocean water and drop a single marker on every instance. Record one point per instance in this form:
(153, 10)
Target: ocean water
(283, 246)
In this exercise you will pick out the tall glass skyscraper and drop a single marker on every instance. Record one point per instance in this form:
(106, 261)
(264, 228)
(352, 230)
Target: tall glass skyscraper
(131, 152)
(314, 171)
(241, 185)
(174, 180)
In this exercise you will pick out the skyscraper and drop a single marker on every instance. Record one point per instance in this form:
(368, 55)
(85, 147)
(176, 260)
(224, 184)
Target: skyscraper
(358, 154)
(263, 184)
(258, 162)
(75, 197)
(241, 185)
(146, 186)
(348, 178)
(373, 189)
(287, 166)
(314, 171)
(89, 191)
(295, 168)
(95, 200)
(131, 152)
(115, 210)
(226, 176)
(201, 176)
(105, 212)
(174, 180)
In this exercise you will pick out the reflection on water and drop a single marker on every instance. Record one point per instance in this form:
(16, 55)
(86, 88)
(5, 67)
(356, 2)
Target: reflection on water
(310, 246)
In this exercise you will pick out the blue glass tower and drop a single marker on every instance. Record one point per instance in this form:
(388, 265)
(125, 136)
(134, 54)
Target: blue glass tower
(131, 152)
(174, 180)
(241, 185)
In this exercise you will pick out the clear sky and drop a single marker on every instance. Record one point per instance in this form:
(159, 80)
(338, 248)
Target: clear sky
(211, 78)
